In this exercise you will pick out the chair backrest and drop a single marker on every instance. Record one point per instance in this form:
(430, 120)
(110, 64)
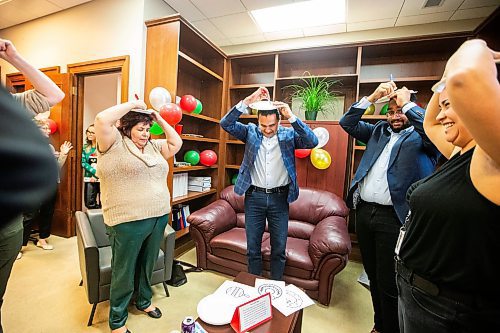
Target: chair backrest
(98, 227)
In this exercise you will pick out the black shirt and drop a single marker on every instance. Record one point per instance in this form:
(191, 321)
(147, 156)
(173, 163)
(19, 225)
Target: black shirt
(453, 235)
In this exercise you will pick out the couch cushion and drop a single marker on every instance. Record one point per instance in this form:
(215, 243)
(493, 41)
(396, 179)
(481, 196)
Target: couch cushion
(297, 253)
(300, 229)
(233, 240)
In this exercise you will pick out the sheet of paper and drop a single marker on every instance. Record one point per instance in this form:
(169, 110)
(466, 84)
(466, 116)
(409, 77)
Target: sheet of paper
(295, 299)
(237, 293)
(275, 288)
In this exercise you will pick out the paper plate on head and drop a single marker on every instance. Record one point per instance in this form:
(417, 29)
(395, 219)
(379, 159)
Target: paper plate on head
(263, 106)
(216, 309)
(148, 111)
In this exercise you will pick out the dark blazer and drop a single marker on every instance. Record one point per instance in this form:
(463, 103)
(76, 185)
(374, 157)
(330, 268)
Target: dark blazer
(298, 136)
(413, 157)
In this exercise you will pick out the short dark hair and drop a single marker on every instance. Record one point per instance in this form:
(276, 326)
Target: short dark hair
(131, 119)
(266, 113)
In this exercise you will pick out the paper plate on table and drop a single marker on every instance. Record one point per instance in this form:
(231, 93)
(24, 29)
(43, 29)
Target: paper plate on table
(216, 310)
(263, 105)
(148, 111)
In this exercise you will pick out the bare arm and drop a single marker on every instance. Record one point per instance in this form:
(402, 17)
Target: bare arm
(173, 143)
(105, 122)
(474, 93)
(434, 129)
(40, 81)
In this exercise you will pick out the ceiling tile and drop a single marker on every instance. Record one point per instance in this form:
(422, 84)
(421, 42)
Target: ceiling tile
(284, 34)
(479, 3)
(236, 25)
(68, 3)
(473, 13)
(422, 19)
(209, 30)
(259, 4)
(222, 42)
(186, 9)
(26, 10)
(369, 25)
(248, 39)
(369, 10)
(325, 30)
(414, 7)
(216, 8)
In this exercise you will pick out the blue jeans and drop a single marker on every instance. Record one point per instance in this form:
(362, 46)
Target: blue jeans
(260, 206)
(421, 312)
(377, 228)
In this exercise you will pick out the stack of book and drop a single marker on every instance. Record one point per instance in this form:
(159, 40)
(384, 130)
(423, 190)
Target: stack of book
(180, 214)
(180, 186)
(199, 184)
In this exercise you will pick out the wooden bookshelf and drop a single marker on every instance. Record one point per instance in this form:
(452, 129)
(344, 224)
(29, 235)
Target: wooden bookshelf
(184, 61)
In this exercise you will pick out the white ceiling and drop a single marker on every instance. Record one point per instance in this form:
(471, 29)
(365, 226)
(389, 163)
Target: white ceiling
(228, 22)
(14, 12)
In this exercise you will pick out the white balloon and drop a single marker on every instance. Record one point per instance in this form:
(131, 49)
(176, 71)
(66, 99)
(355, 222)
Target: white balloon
(323, 136)
(158, 97)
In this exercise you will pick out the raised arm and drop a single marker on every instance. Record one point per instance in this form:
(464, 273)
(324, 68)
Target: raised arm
(40, 81)
(434, 129)
(304, 137)
(173, 142)
(105, 122)
(474, 93)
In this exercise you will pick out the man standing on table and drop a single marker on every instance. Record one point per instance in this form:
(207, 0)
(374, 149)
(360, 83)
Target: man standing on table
(267, 175)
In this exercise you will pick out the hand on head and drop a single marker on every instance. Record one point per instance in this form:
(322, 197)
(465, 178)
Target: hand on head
(283, 109)
(384, 89)
(402, 96)
(138, 104)
(258, 95)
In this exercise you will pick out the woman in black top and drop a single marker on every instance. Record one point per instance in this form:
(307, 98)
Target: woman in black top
(447, 260)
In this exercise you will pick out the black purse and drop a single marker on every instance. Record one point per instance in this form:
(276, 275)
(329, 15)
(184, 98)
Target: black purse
(178, 276)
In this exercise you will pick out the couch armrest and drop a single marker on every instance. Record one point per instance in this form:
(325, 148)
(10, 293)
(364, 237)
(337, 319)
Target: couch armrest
(213, 219)
(88, 254)
(167, 245)
(329, 237)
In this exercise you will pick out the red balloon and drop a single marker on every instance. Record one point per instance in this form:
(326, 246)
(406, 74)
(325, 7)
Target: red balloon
(302, 153)
(208, 157)
(188, 103)
(172, 113)
(52, 126)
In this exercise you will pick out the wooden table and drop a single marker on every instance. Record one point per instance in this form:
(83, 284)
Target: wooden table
(278, 324)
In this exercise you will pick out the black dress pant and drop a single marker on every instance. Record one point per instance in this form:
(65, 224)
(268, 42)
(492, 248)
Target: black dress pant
(91, 192)
(44, 218)
(377, 228)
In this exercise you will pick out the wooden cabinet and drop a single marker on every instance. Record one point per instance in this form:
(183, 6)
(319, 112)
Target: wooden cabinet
(183, 61)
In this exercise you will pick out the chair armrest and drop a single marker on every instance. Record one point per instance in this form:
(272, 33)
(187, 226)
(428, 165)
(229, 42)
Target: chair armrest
(213, 219)
(88, 254)
(329, 237)
(167, 245)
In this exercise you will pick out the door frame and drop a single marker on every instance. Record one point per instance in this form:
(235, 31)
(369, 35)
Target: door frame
(78, 72)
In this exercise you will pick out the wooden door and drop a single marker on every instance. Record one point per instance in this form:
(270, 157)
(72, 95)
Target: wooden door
(62, 223)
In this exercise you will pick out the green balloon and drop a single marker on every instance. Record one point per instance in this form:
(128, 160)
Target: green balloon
(384, 109)
(198, 108)
(156, 129)
(192, 157)
(233, 180)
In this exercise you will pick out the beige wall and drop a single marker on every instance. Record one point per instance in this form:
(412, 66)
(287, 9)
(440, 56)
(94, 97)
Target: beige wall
(94, 30)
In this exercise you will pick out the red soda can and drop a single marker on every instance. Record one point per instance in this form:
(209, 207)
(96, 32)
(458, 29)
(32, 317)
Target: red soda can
(187, 325)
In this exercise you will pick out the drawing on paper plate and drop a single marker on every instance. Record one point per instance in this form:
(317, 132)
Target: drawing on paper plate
(273, 289)
(293, 300)
(236, 292)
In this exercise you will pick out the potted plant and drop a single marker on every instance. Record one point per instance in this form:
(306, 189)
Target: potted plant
(314, 93)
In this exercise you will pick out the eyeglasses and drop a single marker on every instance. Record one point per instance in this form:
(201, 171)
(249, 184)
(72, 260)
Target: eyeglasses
(393, 113)
(89, 132)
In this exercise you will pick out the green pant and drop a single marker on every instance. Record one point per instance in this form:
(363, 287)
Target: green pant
(11, 238)
(135, 246)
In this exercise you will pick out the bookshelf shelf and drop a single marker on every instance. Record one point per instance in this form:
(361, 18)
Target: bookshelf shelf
(194, 168)
(192, 195)
(182, 232)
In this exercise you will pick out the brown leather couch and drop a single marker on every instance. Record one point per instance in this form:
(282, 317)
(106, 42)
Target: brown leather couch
(317, 248)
